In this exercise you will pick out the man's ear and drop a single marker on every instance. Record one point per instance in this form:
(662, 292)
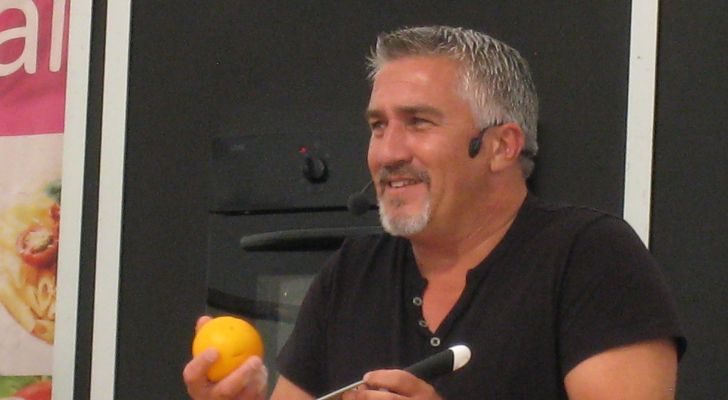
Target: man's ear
(507, 141)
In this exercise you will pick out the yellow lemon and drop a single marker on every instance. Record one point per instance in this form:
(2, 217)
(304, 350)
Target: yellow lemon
(233, 338)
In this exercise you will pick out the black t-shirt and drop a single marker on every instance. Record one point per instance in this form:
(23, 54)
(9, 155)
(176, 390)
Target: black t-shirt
(564, 283)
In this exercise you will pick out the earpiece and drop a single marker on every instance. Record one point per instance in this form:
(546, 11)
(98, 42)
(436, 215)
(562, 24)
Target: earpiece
(474, 147)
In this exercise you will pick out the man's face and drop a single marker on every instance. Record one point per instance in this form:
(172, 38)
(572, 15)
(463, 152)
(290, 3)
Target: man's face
(421, 126)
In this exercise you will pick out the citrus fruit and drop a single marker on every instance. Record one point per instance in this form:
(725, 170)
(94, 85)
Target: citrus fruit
(234, 339)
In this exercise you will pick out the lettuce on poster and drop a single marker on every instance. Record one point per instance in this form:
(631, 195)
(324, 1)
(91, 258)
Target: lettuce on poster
(25, 387)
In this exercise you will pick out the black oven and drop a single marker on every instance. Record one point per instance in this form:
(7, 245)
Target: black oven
(278, 211)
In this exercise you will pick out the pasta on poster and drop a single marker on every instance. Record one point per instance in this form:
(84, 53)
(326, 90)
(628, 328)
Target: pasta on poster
(29, 237)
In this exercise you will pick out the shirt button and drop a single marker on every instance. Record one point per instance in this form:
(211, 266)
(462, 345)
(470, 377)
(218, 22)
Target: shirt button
(435, 341)
(417, 301)
(422, 323)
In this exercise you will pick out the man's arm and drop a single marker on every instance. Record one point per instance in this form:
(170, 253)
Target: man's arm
(287, 390)
(645, 370)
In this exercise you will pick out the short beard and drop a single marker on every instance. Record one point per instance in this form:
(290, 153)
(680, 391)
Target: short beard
(405, 225)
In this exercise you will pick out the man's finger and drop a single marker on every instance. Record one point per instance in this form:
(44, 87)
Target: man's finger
(256, 388)
(244, 377)
(202, 321)
(398, 381)
(371, 394)
(195, 372)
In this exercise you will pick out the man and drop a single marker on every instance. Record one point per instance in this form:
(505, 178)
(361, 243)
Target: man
(554, 301)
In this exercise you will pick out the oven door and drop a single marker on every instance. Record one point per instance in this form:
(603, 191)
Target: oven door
(260, 266)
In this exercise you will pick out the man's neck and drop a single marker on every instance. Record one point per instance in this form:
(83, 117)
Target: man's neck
(461, 249)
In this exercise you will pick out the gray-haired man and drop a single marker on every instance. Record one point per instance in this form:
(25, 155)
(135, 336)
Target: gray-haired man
(554, 301)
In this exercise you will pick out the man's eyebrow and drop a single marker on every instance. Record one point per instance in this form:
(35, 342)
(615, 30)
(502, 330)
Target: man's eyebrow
(370, 113)
(407, 110)
(420, 109)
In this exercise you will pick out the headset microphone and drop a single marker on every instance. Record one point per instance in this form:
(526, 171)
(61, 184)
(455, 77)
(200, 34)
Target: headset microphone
(474, 146)
(358, 204)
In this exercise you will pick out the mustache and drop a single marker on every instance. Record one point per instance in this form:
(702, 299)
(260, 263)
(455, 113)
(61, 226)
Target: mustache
(403, 170)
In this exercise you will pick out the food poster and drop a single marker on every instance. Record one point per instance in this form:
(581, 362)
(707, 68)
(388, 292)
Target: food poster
(33, 49)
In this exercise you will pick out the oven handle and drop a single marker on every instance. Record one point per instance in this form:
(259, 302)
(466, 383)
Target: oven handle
(313, 239)
(250, 308)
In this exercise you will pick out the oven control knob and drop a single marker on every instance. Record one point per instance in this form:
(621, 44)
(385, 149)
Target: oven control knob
(314, 169)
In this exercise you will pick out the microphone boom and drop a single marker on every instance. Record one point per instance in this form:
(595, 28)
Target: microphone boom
(357, 203)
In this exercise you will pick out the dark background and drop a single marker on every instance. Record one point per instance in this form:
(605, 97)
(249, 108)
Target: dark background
(690, 210)
(204, 69)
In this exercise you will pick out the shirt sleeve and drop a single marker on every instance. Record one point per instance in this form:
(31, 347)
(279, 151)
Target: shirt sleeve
(302, 358)
(613, 294)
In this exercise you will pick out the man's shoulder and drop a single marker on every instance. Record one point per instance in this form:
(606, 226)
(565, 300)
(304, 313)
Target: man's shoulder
(563, 214)
(564, 209)
(560, 222)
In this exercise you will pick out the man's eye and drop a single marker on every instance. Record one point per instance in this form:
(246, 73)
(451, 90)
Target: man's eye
(420, 122)
(375, 125)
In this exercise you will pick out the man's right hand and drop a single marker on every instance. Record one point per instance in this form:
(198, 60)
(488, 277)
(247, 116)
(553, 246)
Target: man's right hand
(247, 382)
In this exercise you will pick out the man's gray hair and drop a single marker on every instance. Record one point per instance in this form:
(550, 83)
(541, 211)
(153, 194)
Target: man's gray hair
(495, 78)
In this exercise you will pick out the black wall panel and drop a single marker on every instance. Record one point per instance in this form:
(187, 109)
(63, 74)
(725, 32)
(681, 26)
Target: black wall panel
(170, 114)
(690, 210)
(204, 69)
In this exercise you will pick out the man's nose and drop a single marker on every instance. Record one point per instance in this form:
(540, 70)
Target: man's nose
(393, 146)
